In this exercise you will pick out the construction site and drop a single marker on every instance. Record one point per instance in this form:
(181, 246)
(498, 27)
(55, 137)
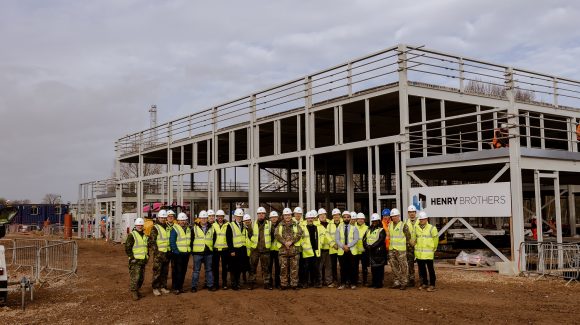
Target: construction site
(490, 152)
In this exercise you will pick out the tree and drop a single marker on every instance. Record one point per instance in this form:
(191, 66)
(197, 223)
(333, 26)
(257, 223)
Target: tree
(52, 198)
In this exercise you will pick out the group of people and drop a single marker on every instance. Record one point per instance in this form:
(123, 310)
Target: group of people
(295, 250)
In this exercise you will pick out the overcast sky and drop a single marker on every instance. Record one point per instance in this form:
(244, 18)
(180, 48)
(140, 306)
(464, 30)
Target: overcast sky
(77, 75)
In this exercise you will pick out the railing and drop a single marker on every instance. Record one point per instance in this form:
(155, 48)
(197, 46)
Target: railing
(551, 259)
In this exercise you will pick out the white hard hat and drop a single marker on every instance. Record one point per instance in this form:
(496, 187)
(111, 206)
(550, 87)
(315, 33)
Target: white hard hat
(345, 212)
(395, 212)
(298, 210)
(321, 211)
(170, 212)
(202, 214)
(335, 211)
(503, 125)
(246, 217)
(314, 213)
(162, 214)
(353, 215)
(360, 215)
(411, 208)
(310, 215)
(239, 213)
(210, 212)
(261, 210)
(220, 213)
(287, 211)
(273, 214)
(375, 217)
(139, 222)
(423, 215)
(181, 216)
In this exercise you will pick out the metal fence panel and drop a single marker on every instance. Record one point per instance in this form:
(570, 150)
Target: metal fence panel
(57, 259)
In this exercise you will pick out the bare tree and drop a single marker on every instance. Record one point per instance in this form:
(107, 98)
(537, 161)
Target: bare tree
(52, 198)
(25, 201)
(485, 88)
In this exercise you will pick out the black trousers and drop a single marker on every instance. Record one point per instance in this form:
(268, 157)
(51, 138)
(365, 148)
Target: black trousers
(363, 260)
(378, 276)
(216, 257)
(178, 270)
(237, 264)
(312, 277)
(302, 272)
(334, 266)
(424, 267)
(347, 269)
(274, 268)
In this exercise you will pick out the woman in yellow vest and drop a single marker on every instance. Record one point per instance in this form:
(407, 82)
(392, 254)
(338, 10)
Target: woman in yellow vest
(202, 249)
(136, 250)
(427, 239)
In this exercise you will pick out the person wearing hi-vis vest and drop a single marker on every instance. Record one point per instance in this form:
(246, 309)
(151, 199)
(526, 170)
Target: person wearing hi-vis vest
(136, 250)
(411, 222)
(159, 244)
(399, 235)
(235, 237)
(362, 257)
(333, 247)
(374, 244)
(288, 236)
(261, 240)
(312, 239)
(299, 220)
(325, 265)
(220, 250)
(180, 244)
(427, 240)
(274, 267)
(202, 250)
(346, 238)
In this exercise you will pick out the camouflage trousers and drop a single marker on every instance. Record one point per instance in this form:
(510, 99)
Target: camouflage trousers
(137, 274)
(411, 263)
(398, 261)
(264, 259)
(289, 270)
(160, 270)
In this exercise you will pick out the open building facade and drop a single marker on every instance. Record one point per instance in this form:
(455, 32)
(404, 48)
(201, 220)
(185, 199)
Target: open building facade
(360, 135)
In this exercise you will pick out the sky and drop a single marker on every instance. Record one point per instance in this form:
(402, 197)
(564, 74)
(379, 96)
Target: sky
(75, 76)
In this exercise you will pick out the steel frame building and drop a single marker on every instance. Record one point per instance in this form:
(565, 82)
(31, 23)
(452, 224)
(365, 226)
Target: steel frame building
(359, 135)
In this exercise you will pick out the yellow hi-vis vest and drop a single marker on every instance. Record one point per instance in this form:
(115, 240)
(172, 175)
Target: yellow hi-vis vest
(183, 238)
(373, 236)
(139, 246)
(220, 241)
(411, 226)
(398, 240)
(247, 240)
(238, 236)
(274, 244)
(307, 250)
(350, 239)
(267, 234)
(427, 242)
(362, 230)
(330, 236)
(201, 240)
(294, 230)
(162, 241)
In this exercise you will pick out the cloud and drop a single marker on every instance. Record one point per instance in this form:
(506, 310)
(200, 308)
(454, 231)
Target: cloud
(77, 75)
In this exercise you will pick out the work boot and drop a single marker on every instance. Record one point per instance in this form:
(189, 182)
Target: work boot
(352, 287)
(341, 287)
(139, 294)
(423, 287)
(134, 295)
(251, 286)
(403, 287)
(163, 290)
(193, 290)
(331, 285)
(176, 292)
(212, 289)
(224, 287)
(156, 292)
(396, 285)
(411, 283)
(431, 289)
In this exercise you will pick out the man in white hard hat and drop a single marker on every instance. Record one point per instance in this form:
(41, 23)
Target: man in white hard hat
(427, 242)
(288, 235)
(312, 239)
(170, 218)
(159, 244)
(333, 247)
(247, 233)
(220, 250)
(325, 265)
(235, 237)
(180, 244)
(298, 216)
(374, 244)
(346, 238)
(202, 250)
(299, 220)
(362, 257)
(274, 267)
(411, 222)
(136, 250)
(353, 217)
(210, 217)
(261, 241)
(399, 235)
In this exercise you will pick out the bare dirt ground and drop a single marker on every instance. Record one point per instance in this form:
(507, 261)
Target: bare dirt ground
(99, 295)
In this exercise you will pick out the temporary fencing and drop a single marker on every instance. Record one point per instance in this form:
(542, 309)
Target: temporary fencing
(551, 259)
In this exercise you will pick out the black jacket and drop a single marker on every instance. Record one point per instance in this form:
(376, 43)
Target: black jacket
(377, 251)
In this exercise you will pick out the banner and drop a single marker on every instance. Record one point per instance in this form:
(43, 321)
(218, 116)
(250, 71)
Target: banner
(472, 200)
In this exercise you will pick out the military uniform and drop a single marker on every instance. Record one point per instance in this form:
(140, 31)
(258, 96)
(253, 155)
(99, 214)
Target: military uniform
(136, 250)
(399, 236)
(159, 244)
(411, 251)
(288, 256)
